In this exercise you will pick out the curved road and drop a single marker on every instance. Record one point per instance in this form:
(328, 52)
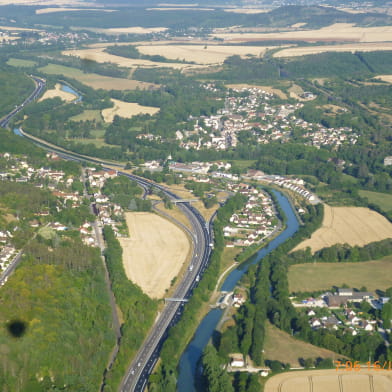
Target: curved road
(39, 86)
(138, 372)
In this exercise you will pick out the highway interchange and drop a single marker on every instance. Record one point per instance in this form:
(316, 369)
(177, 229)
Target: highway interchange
(142, 365)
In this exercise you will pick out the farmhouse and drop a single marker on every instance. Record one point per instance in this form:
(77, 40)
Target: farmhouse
(346, 295)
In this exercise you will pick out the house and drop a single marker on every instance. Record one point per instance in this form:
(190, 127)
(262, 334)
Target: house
(311, 313)
(237, 360)
(315, 323)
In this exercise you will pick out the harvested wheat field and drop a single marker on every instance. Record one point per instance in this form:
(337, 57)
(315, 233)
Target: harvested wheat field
(98, 55)
(385, 78)
(331, 380)
(50, 10)
(96, 81)
(338, 32)
(57, 92)
(154, 253)
(126, 110)
(203, 54)
(351, 225)
(363, 47)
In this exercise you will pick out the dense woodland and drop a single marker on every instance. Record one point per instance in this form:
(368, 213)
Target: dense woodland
(67, 337)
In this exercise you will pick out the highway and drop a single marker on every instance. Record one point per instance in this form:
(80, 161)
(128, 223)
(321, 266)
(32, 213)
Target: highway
(39, 86)
(141, 367)
(136, 377)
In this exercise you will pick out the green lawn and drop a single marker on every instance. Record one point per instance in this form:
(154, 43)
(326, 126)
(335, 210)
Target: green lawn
(13, 62)
(373, 275)
(280, 346)
(383, 200)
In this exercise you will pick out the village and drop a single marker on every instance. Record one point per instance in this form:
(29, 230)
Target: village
(250, 109)
(69, 192)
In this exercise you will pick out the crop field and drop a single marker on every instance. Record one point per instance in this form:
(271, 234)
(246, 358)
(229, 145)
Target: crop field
(126, 110)
(97, 54)
(57, 92)
(363, 47)
(351, 225)
(154, 253)
(49, 10)
(331, 381)
(13, 62)
(385, 78)
(376, 274)
(338, 32)
(383, 200)
(94, 80)
(280, 346)
(203, 54)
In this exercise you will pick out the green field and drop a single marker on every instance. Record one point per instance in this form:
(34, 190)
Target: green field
(373, 275)
(280, 346)
(383, 200)
(21, 63)
(88, 115)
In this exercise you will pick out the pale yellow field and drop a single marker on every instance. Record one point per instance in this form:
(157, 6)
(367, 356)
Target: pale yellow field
(179, 9)
(50, 10)
(203, 54)
(126, 110)
(154, 253)
(351, 225)
(268, 89)
(363, 47)
(331, 380)
(385, 78)
(247, 10)
(12, 28)
(97, 81)
(57, 92)
(335, 32)
(98, 55)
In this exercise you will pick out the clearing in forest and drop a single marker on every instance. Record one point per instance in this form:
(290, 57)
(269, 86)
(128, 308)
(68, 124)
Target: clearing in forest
(331, 380)
(126, 110)
(154, 252)
(308, 277)
(348, 225)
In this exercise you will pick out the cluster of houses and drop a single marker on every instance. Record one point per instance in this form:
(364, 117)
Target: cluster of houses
(108, 213)
(251, 109)
(294, 184)
(7, 253)
(255, 222)
(352, 322)
(320, 136)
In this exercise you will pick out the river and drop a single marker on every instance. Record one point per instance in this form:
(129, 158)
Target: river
(68, 89)
(191, 356)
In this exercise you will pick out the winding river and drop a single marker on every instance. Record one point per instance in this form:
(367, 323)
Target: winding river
(192, 354)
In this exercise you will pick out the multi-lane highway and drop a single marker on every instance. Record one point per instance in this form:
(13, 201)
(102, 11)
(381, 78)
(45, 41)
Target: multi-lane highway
(39, 86)
(141, 367)
(137, 375)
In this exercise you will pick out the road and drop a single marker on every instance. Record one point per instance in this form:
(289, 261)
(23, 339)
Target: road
(39, 86)
(10, 268)
(141, 367)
